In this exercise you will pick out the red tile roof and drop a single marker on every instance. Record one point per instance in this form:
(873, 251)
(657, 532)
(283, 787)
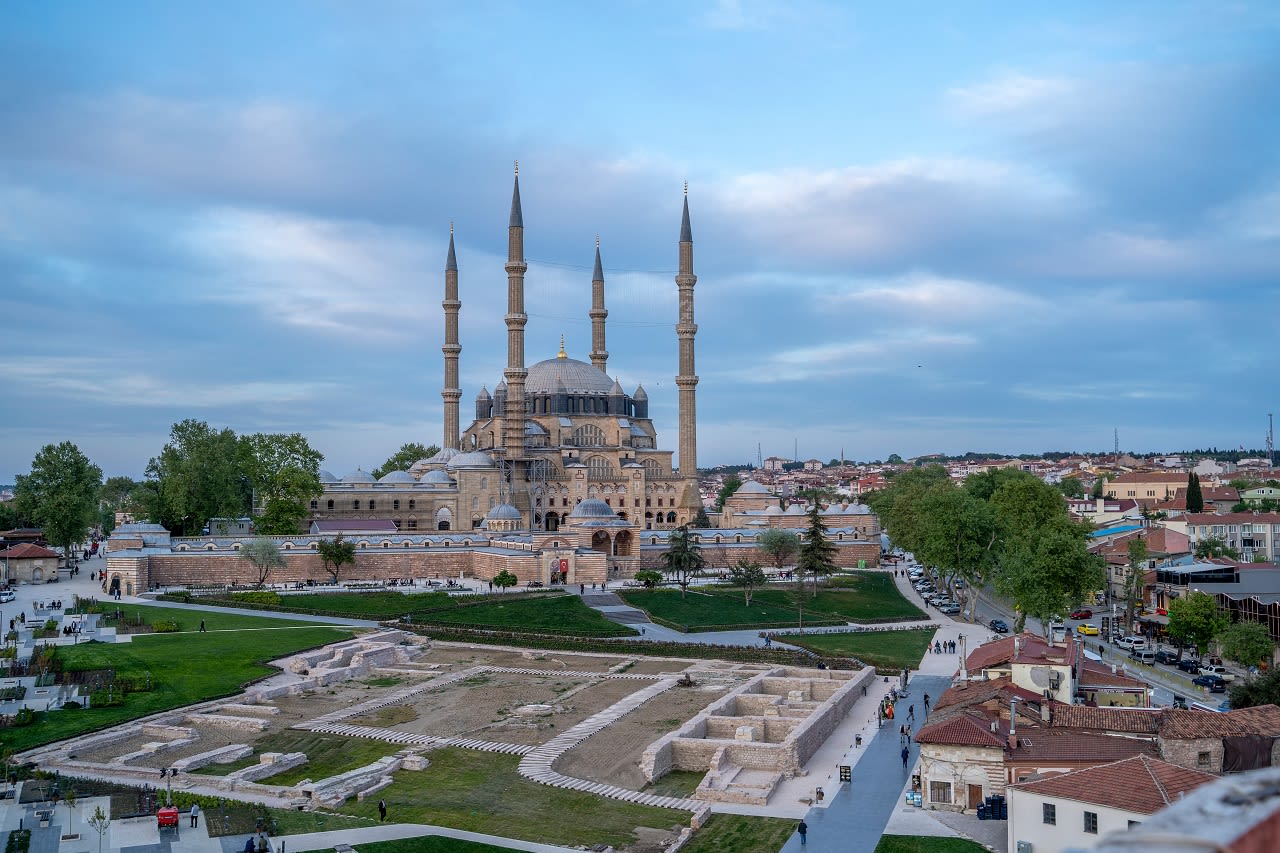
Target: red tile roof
(1068, 745)
(1096, 674)
(1193, 724)
(1199, 518)
(1137, 721)
(1034, 650)
(965, 728)
(27, 551)
(1142, 784)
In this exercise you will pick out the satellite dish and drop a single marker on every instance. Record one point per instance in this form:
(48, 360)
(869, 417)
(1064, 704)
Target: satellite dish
(1040, 676)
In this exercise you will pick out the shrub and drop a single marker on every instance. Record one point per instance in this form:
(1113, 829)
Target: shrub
(24, 717)
(72, 706)
(164, 626)
(51, 625)
(105, 699)
(261, 596)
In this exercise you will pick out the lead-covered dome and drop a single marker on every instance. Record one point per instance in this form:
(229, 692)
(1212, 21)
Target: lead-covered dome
(566, 375)
(593, 508)
(358, 476)
(474, 459)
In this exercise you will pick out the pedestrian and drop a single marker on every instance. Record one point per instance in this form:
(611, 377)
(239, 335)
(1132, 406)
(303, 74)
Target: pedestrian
(202, 626)
(382, 809)
(195, 815)
(902, 734)
(906, 754)
(926, 704)
(803, 829)
(911, 713)
(249, 846)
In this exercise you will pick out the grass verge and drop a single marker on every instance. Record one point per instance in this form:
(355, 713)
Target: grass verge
(923, 844)
(888, 651)
(564, 615)
(730, 833)
(327, 755)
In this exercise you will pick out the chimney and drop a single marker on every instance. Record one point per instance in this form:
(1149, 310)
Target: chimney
(964, 666)
(1046, 712)
(1013, 723)
(1017, 647)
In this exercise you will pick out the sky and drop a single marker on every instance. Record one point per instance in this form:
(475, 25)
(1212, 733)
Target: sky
(918, 227)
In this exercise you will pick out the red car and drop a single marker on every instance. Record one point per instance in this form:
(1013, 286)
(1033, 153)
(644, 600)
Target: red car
(1083, 613)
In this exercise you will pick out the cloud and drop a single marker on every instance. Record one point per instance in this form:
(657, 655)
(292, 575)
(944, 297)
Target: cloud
(1009, 93)
(833, 359)
(925, 294)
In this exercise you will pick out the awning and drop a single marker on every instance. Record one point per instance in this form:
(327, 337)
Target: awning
(1154, 618)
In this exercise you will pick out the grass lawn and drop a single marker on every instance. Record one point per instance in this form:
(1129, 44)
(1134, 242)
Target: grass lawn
(482, 792)
(563, 615)
(430, 844)
(189, 620)
(863, 597)
(367, 605)
(677, 783)
(185, 668)
(920, 844)
(327, 755)
(729, 833)
(888, 651)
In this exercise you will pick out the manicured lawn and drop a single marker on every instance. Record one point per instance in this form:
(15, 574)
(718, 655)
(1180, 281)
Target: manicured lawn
(327, 755)
(864, 597)
(189, 620)
(367, 605)
(185, 668)
(887, 651)
(729, 833)
(482, 792)
(564, 615)
(921, 844)
(430, 844)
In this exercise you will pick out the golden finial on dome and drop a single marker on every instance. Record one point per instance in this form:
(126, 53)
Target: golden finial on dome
(562, 353)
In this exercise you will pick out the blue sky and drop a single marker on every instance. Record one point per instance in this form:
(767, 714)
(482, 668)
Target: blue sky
(918, 227)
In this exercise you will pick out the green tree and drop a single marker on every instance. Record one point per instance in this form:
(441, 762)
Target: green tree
(60, 494)
(336, 553)
(894, 459)
(1214, 546)
(1071, 487)
(731, 484)
(957, 535)
(817, 554)
(683, 558)
(1099, 486)
(747, 574)
(897, 505)
(1195, 497)
(264, 555)
(403, 459)
(285, 475)
(100, 823)
(1135, 580)
(701, 521)
(649, 578)
(1247, 643)
(1194, 620)
(778, 545)
(8, 516)
(1048, 570)
(196, 477)
(1261, 690)
(505, 579)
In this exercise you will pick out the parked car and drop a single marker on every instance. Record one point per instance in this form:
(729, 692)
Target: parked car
(6, 595)
(1213, 682)
(1190, 665)
(1143, 656)
(1130, 643)
(1082, 613)
(999, 626)
(1166, 656)
(1220, 671)
(949, 607)
(1087, 630)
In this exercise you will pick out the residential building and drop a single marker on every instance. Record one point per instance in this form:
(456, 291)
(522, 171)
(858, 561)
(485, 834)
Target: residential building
(1256, 535)
(1146, 487)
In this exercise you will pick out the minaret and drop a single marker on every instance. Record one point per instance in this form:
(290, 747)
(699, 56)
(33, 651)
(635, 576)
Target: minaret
(599, 355)
(514, 416)
(451, 392)
(687, 380)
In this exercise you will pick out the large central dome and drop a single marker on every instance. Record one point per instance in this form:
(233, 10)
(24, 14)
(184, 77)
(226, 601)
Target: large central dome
(577, 377)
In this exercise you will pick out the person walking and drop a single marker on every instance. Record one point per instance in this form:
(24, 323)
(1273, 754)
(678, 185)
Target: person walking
(382, 810)
(902, 734)
(906, 754)
(926, 704)
(195, 815)
(911, 713)
(803, 829)
(202, 630)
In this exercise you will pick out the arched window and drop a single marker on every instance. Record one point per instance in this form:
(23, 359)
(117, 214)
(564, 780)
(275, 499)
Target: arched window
(600, 468)
(412, 504)
(315, 504)
(651, 468)
(355, 504)
(395, 504)
(588, 435)
(671, 518)
(330, 506)
(373, 504)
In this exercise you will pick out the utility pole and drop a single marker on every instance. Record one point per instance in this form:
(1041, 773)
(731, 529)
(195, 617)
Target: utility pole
(1271, 458)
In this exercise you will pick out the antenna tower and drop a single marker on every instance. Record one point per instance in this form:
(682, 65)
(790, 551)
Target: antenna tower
(1117, 440)
(1271, 458)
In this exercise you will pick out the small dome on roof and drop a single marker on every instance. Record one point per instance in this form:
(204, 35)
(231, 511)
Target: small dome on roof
(435, 476)
(504, 512)
(796, 509)
(441, 457)
(397, 477)
(358, 476)
(474, 459)
(593, 508)
(751, 487)
(326, 477)
(773, 509)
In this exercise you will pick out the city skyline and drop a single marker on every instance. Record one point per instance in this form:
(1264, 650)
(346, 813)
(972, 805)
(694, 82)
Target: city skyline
(931, 230)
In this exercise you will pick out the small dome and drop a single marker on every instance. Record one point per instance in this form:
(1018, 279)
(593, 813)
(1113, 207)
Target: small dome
(474, 459)
(593, 508)
(751, 487)
(397, 477)
(796, 509)
(358, 476)
(436, 476)
(441, 457)
(326, 477)
(773, 509)
(503, 512)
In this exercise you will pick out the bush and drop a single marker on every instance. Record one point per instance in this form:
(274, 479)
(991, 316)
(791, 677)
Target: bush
(103, 699)
(260, 596)
(72, 706)
(24, 717)
(51, 625)
(164, 626)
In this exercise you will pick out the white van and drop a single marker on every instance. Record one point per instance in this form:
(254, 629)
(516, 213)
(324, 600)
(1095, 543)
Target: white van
(1146, 656)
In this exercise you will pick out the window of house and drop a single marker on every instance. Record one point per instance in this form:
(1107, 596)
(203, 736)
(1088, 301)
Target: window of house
(395, 504)
(413, 524)
(1050, 814)
(940, 792)
(330, 505)
(355, 504)
(373, 504)
(1202, 759)
(413, 504)
(1091, 823)
(315, 504)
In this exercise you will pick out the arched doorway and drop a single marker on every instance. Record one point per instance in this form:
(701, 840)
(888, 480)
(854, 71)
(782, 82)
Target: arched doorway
(553, 522)
(114, 589)
(622, 544)
(600, 542)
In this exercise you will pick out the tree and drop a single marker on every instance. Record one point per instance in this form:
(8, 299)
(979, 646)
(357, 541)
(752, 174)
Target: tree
(100, 824)
(336, 553)
(60, 494)
(817, 554)
(957, 534)
(778, 545)
(894, 459)
(197, 477)
(264, 555)
(1135, 580)
(285, 474)
(1247, 643)
(1194, 620)
(731, 484)
(505, 579)
(403, 459)
(1071, 487)
(1047, 571)
(649, 578)
(898, 504)
(682, 559)
(1260, 690)
(1214, 546)
(1195, 497)
(701, 521)
(1099, 485)
(747, 574)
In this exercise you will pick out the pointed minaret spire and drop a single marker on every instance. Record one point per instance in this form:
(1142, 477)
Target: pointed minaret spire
(451, 349)
(687, 380)
(598, 313)
(517, 217)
